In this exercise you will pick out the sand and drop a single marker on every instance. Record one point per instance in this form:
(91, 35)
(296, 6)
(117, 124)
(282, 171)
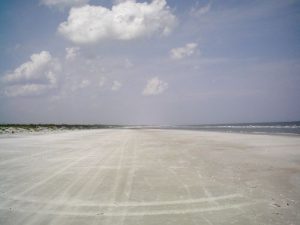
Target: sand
(151, 177)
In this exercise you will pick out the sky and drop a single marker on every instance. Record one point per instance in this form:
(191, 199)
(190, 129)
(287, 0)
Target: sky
(156, 62)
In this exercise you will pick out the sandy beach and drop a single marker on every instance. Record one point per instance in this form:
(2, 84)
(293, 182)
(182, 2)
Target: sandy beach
(149, 177)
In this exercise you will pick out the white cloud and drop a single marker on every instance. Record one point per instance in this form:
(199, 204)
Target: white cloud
(72, 53)
(182, 52)
(128, 64)
(31, 69)
(33, 77)
(200, 10)
(155, 86)
(62, 4)
(102, 81)
(79, 84)
(26, 89)
(116, 85)
(125, 21)
(84, 83)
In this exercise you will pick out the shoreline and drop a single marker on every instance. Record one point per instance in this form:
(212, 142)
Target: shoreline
(13, 133)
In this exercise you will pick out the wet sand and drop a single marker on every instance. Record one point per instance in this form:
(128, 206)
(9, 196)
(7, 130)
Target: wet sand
(151, 177)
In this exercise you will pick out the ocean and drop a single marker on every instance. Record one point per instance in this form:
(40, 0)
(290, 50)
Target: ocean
(267, 128)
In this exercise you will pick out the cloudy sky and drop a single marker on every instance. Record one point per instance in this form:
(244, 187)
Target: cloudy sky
(149, 62)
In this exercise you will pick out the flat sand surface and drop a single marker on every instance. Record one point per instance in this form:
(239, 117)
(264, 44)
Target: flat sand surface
(151, 177)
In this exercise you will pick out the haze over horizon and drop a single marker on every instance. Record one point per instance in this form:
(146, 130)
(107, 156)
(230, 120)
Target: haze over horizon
(149, 62)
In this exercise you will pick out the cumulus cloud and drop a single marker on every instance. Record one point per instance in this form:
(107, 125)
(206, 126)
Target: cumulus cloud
(33, 77)
(116, 85)
(126, 20)
(155, 86)
(182, 52)
(72, 52)
(62, 4)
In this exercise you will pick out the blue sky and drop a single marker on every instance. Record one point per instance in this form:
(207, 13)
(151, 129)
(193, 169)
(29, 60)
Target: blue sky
(149, 62)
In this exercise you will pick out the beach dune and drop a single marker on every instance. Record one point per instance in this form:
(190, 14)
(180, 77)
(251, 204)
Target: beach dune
(149, 177)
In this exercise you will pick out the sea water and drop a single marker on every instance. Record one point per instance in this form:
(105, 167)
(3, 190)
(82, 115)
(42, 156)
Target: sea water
(273, 128)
